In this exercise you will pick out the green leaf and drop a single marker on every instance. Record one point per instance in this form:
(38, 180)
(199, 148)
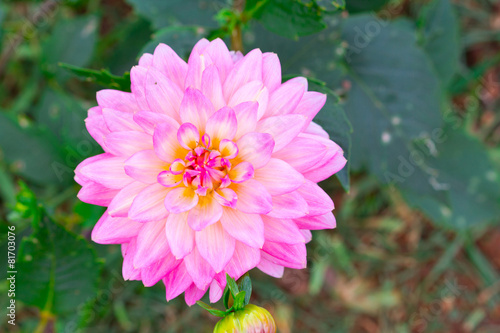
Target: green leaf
(394, 98)
(71, 41)
(102, 77)
(288, 18)
(212, 310)
(180, 39)
(331, 5)
(239, 301)
(177, 12)
(225, 297)
(245, 284)
(356, 6)
(440, 32)
(58, 270)
(231, 284)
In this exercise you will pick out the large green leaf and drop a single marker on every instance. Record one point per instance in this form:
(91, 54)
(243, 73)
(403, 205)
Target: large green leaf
(175, 12)
(58, 270)
(288, 18)
(356, 6)
(394, 99)
(439, 27)
(463, 168)
(71, 41)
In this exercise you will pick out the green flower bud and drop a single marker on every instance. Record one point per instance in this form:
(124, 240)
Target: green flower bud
(250, 319)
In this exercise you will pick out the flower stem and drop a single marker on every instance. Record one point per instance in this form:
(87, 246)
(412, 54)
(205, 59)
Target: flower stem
(236, 35)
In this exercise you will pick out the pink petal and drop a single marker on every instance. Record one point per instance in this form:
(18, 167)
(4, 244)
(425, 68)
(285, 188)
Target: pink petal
(318, 201)
(117, 100)
(138, 82)
(271, 71)
(310, 104)
(148, 204)
(270, 268)
(293, 256)
(282, 128)
(152, 274)
(218, 52)
(289, 206)
(128, 142)
(114, 230)
(146, 60)
(326, 221)
(285, 99)
(108, 172)
(327, 167)
(188, 136)
(247, 69)
(177, 281)
(128, 270)
(278, 177)
(197, 63)
(247, 228)
(253, 197)
(96, 194)
(181, 199)
(244, 259)
(215, 292)
(148, 120)
(169, 179)
(120, 121)
(228, 149)
(180, 236)
(254, 91)
(81, 178)
(165, 143)
(281, 231)
(195, 108)
(211, 87)
(215, 245)
(246, 116)
(152, 244)
(162, 94)
(96, 126)
(315, 129)
(200, 270)
(226, 197)
(205, 213)
(145, 166)
(120, 204)
(302, 153)
(193, 294)
(170, 64)
(241, 172)
(222, 125)
(255, 148)
(307, 235)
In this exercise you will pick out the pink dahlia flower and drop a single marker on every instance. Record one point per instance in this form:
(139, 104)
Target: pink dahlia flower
(209, 167)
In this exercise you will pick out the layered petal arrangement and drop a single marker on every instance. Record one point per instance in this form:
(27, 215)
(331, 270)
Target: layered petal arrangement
(209, 167)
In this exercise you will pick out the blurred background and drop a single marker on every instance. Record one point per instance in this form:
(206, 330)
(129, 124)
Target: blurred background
(414, 100)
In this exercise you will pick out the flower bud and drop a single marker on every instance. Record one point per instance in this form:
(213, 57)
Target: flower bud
(251, 319)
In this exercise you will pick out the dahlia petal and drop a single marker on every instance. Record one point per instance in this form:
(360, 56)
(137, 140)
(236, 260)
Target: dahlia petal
(138, 76)
(118, 121)
(222, 125)
(310, 104)
(148, 120)
(226, 197)
(127, 143)
(193, 294)
(129, 272)
(271, 71)
(306, 234)
(247, 228)
(270, 268)
(244, 259)
(117, 100)
(285, 99)
(247, 69)
(318, 201)
(218, 52)
(200, 270)
(254, 91)
(215, 245)
(195, 108)
(107, 171)
(81, 178)
(152, 274)
(96, 194)
(180, 236)
(278, 177)
(319, 222)
(241, 172)
(228, 149)
(146, 60)
(114, 230)
(177, 281)
(120, 204)
(255, 148)
(246, 116)
(197, 63)
(300, 147)
(169, 179)
(215, 292)
(162, 94)
(282, 128)
(151, 244)
(188, 136)
(289, 206)
(145, 166)
(253, 197)
(281, 231)
(205, 213)
(181, 199)
(289, 255)
(327, 167)
(316, 129)
(211, 87)
(170, 64)
(96, 126)
(165, 143)
(148, 204)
